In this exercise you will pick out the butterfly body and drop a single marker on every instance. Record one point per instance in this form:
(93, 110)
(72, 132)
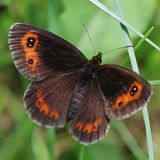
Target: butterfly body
(65, 86)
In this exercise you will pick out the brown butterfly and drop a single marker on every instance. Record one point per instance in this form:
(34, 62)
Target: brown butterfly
(66, 86)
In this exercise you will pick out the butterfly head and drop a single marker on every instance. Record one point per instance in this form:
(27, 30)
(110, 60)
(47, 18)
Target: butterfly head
(96, 60)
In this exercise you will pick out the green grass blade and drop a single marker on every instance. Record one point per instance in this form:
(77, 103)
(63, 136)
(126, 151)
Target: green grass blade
(52, 15)
(143, 39)
(52, 18)
(135, 68)
(154, 82)
(148, 133)
(16, 140)
(122, 21)
(33, 153)
(129, 140)
(81, 152)
(51, 143)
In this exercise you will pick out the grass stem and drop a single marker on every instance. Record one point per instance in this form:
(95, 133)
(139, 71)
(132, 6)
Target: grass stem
(81, 152)
(122, 21)
(136, 69)
(129, 140)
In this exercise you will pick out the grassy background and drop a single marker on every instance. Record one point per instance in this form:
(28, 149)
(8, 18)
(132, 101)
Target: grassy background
(19, 137)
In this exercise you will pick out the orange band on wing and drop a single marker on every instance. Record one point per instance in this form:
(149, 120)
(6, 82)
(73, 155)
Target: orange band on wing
(44, 108)
(89, 127)
(96, 124)
(54, 115)
(133, 93)
(79, 125)
(29, 43)
(41, 104)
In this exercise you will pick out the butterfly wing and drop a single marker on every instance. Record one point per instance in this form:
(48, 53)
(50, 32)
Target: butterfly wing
(38, 53)
(124, 90)
(89, 123)
(47, 103)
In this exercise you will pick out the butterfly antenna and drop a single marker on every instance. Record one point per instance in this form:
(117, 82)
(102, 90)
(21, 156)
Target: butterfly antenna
(113, 50)
(89, 37)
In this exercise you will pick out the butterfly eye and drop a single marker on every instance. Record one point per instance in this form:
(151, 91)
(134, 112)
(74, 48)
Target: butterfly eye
(133, 91)
(31, 41)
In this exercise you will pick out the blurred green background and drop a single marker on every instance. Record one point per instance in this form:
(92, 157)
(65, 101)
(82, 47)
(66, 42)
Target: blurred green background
(20, 138)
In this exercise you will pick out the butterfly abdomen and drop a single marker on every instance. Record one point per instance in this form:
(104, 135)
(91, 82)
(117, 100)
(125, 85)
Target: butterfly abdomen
(77, 98)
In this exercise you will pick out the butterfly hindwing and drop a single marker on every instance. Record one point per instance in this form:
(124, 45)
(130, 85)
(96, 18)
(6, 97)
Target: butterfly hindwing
(47, 103)
(125, 91)
(37, 53)
(89, 124)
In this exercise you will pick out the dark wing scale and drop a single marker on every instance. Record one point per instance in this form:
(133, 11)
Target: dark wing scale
(89, 124)
(124, 90)
(46, 53)
(47, 103)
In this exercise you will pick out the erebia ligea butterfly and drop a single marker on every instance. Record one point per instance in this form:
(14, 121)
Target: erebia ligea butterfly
(66, 86)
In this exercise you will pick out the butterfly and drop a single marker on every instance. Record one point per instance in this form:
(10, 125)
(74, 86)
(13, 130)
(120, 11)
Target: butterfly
(67, 87)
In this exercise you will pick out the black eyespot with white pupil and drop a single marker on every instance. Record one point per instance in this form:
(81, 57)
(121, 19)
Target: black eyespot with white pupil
(120, 104)
(31, 42)
(30, 61)
(134, 90)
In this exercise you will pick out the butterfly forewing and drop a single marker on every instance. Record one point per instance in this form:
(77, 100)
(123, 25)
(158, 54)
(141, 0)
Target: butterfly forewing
(124, 90)
(38, 53)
